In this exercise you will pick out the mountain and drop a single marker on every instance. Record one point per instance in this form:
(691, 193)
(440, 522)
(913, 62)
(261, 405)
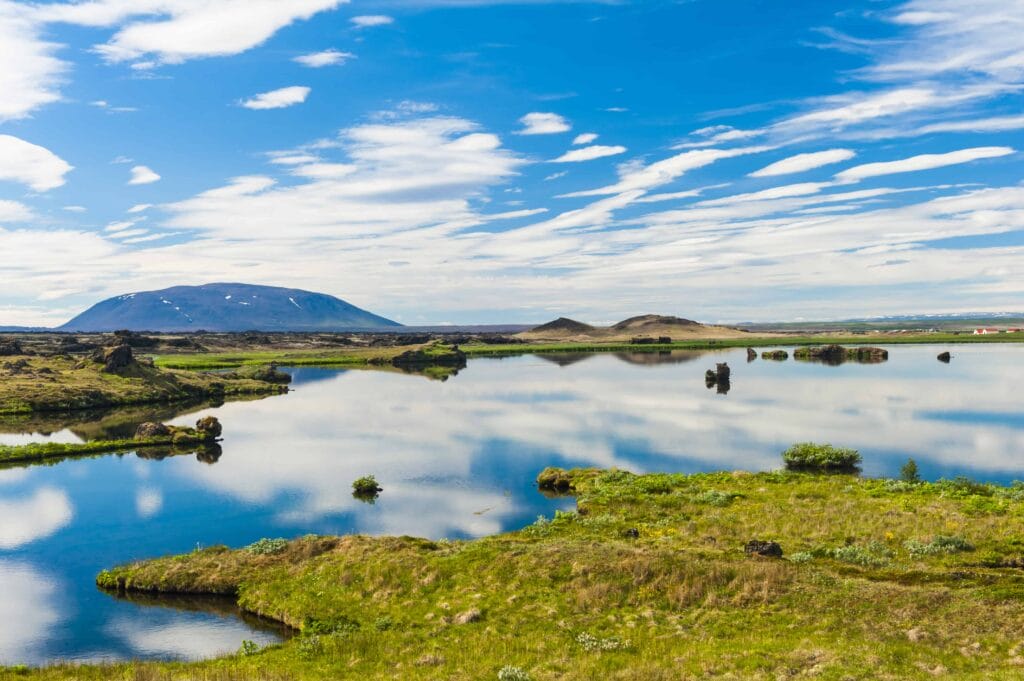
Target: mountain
(226, 307)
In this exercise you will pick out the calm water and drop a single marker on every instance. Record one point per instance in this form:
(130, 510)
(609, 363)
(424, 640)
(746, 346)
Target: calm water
(456, 459)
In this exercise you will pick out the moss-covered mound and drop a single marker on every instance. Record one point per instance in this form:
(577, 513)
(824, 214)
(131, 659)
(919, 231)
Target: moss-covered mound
(62, 383)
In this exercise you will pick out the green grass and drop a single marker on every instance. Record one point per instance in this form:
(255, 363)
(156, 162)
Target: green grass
(647, 579)
(59, 384)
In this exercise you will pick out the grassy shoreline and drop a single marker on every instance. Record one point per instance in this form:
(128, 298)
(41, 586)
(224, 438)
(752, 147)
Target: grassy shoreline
(729, 343)
(648, 578)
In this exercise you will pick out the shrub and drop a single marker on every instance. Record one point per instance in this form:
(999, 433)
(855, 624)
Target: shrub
(909, 472)
(383, 623)
(510, 673)
(249, 648)
(939, 545)
(592, 643)
(962, 486)
(801, 557)
(820, 457)
(873, 555)
(265, 547)
(713, 497)
(367, 487)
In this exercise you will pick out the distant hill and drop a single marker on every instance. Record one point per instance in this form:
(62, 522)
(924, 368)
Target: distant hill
(226, 307)
(649, 321)
(644, 326)
(564, 324)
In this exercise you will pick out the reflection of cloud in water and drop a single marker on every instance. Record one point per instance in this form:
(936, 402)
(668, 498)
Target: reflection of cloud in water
(602, 412)
(28, 609)
(11, 476)
(148, 502)
(64, 436)
(23, 521)
(184, 636)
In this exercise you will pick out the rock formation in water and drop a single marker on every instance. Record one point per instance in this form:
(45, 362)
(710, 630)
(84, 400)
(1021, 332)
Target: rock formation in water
(837, 354)
(751, 354)
(718, 377)
(944, 357)
(777, 355)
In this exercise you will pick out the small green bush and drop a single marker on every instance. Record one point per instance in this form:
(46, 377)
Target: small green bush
(592, 643)
(713, 497)
(872, 555)
(510, 673)
(801, 557)
(249, 648)
(265, 547)
(810, 456)
(366, 486)
(939, 545)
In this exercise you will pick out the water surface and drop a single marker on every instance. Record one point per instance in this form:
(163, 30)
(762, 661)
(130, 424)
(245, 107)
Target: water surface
(456, 459)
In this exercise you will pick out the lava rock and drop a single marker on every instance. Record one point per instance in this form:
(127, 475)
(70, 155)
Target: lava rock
(209, 427)
(768, 549)
(148, 431)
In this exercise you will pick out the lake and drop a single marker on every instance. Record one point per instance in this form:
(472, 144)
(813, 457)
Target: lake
(456, 459)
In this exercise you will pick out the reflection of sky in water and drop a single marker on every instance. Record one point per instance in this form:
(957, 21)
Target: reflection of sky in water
(458, 459)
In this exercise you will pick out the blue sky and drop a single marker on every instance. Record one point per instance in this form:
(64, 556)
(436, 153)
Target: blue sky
(470, 161)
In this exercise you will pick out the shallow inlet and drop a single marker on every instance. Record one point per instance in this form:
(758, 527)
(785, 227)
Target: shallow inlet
(456, 459)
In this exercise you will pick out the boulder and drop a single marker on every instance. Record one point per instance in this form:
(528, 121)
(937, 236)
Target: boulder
(944, 357)
(777, 355)
(149, 431)
(751, 354)
(468, 617)
(769, 549)
(116, 358)
(209, 427)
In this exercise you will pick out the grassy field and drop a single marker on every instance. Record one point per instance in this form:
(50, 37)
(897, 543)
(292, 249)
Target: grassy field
(881, 579)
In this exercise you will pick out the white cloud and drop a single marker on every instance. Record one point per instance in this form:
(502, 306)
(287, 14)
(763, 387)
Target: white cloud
(366, 21)
(991, 124)
(30, 164)
(537, 123)
(585, 138)
(556, 176)
(278, 99)
(30, 74)
(802, 162)
(662, 172)
(589, 153)
(143, 175)
(326, 58)
(173, 31)
(14, 211)
(140, 208)
(921, 162)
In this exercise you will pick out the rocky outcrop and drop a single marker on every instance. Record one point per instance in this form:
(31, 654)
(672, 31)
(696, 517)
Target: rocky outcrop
(837, 354)
(149, 431)
(431, 355)
(209, 427)
(115, 359)
(944, 357)
(10, 348)
(718, 377)
(768, 549)
(751, 354)
(777, 355)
